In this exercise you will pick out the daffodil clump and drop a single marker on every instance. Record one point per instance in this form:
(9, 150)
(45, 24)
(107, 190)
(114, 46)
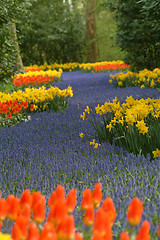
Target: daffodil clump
(94, 143)
(50, 73)
(133, 125)
(65, 66)
(144, 78)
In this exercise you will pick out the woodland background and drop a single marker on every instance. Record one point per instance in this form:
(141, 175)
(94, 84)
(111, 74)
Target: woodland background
(48, 31)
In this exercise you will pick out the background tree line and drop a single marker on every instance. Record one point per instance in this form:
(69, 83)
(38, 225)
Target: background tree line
(47, 31)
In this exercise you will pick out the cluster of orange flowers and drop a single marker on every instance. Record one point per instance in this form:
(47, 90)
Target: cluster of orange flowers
(13, 107)
(38, 79)
(28, 213)
(109, 67)
(33, 69)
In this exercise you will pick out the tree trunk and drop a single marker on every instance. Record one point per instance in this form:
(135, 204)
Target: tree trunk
(19, 64)
(92, 51)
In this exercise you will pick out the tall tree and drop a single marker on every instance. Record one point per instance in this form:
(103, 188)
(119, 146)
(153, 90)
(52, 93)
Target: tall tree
(10, 59)
(92, 51)
(18, 60)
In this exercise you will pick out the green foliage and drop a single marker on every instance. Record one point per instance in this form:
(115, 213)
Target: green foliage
(138, 32)
(6, 87)
(9, 10)
(54, 32)
(7, 53)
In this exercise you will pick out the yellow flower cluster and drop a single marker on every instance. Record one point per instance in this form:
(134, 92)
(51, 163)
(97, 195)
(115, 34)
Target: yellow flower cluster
(132, 112)
(5, 236)
(57, 66)
(122, 76)
(33, 95)
(144, 78)
(142, 127)
(81, 135)
(50, 73)
(95, 145)
(156, 153)
(74, 65)
(87, 110)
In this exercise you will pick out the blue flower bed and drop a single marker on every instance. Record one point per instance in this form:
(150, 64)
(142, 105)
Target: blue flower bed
(47, 151)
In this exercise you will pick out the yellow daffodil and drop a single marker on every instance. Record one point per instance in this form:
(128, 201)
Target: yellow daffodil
(5, 236)
(87, 110)
(156, 153)
(142, 127)
(83, 116)
(81, 135)
(95, 145)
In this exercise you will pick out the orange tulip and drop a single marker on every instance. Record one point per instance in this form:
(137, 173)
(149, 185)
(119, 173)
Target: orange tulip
(25, 105)
(33, 232)
(57, 212)
(102, 224)
(71, 200)
(124, 236)
(89, 215)
(96, 236)
(10, 115)
(26, 198)
(3, 209)
(52, 199)
(97, 195)
(60, 192)
(86, 199)
(26, 212)
(158, 231)
(78, 236)
(66, 228)
(143, 233)
(0, 225)
(16, 232)
(109, 208)
(31, 107)
(107, 236)
(39, 211)
(13, 207)
(22, 223)
(48, 232)
(36, 196)
(135, 211)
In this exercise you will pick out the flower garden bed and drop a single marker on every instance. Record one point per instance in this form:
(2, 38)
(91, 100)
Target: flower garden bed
(143, 79)
(47, 151)
(106, 66)
(31, 92)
